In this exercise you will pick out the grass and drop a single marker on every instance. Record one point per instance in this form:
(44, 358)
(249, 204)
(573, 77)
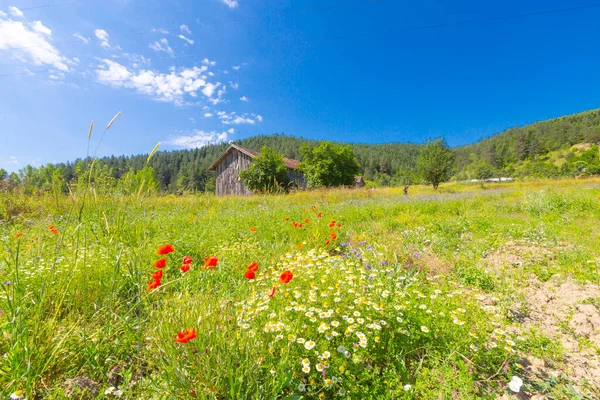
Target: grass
(417, 308)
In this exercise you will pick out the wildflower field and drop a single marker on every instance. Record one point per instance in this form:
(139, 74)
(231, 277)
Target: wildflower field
(361, 294)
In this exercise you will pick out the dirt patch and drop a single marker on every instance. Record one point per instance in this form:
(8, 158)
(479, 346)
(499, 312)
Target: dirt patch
(433, 264)
(559, 311)
(515, 254)
(581, 146)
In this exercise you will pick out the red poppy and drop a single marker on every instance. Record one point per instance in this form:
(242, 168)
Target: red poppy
(300, 225)
(249, 274)
(19, 234)
(157, 275)
(339, 225)
(253, 229)
(306, 221)
(271, 291)
(53, 229)
(160, 263)
(184, 337)
(210, 262)
(185, 267)
(153, 284)
(287, 218)
(332, 224)
(295, 224)
(166, 249)
(286, 277)
(301, 245)
(319, 215)
(253, 267)
(187, 260)
(327, 242)
(333, 235)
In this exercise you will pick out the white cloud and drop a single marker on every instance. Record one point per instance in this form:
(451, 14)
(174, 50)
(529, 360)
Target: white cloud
(199, 138)
(193, 120)
(233, 119)
(171, 87)
(190, 41)
(83, 39)
(161, 45)
(236, 68)
(210, 88)
(11, 160)
(240, 121)
(160, 30)
(206, 61)
(234, 85)
(208, 115)
(185, 29)
(32, 43)
(244, 98)
(231, 3)
(39, 27)
(15, 11)
(102, 35)
(3, 14)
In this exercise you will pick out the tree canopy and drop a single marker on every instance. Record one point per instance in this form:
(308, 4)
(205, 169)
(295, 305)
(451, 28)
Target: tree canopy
(267, 173)
(328, 165)
(435, 162)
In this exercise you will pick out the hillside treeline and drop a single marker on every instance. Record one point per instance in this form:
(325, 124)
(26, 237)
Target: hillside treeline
(542, 149)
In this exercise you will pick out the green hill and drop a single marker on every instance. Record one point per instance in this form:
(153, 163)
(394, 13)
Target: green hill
(563, 146)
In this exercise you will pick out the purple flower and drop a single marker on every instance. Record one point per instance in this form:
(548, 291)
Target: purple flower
(417, 255)
(368, 267)
(384, 262)
(369, 247)
(362, 242)
(7, 283)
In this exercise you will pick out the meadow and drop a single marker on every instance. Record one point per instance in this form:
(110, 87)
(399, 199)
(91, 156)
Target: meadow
(361, 294)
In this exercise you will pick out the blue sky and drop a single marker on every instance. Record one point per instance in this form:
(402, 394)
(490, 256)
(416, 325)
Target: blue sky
(192, 72)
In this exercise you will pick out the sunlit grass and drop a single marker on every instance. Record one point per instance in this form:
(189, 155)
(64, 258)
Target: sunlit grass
(412, 269)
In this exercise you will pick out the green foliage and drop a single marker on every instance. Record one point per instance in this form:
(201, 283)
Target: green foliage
(477, 277)
(267, 173)
(14, 179)
(143, 181)
(435, 162)
(329, 165)
(3, 174)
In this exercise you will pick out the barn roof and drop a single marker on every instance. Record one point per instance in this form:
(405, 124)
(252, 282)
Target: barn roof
(289, 163)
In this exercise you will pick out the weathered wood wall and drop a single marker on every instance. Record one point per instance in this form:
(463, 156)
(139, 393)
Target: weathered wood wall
(297, 178)
(228, 180)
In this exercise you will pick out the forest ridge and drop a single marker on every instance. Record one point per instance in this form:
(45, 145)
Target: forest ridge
(542, 149)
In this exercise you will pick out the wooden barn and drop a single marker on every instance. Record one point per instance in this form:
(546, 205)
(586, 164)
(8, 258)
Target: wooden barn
(237, 159)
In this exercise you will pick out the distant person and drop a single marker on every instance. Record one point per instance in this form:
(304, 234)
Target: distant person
(406, 190)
